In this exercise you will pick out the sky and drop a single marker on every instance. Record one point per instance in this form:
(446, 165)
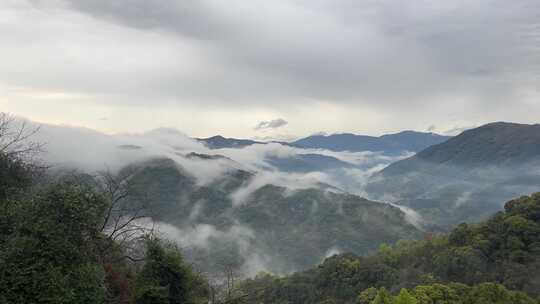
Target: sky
(276, 69)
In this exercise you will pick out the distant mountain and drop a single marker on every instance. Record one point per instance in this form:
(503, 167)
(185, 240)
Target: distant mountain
(494, 144)
(220, 142)
(389, 144)
(465, 177)
(308, 162)
(274, 228)
(201, 156)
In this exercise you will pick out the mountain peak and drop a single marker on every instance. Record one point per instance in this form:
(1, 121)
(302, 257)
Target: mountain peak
(496, 144)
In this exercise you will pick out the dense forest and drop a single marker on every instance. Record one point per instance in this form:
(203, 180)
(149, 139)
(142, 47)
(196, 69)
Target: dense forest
(472, 264)
(291, 230)
(67, 240)
(73, 239)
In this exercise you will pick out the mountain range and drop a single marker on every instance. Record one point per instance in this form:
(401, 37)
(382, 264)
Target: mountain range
(391, 144)
(464, 178)
(464, 266)
(282, 207)
(270, 227)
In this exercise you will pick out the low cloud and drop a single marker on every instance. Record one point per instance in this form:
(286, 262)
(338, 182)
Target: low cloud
(90, 151)
(452, 130)
(290, 181)
(271, 124)
(207, 237)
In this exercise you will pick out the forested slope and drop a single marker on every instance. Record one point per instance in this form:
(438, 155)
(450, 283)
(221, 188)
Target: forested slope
(504, 250)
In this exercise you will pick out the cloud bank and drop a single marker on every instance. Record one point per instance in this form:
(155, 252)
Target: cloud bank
(210, 66)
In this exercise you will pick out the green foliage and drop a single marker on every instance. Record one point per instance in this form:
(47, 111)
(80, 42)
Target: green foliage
(165, 278)
(436, 293)
(367, 296)
(53, 250)
(383, 297)
(15, 175)
(404, 297)
(486, 293)
(504, 249)
(50, 255)
(296, 228)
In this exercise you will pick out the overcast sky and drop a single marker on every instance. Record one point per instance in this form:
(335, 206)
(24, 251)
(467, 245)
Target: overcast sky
(270, 69)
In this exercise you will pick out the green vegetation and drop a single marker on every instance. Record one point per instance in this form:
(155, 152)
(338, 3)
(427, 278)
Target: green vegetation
(57, 245)
(55, 252)
(295, 229)
(76, 240)
(51, 253)
(504, 250)
(453, 293)
(165, 278)
(465, 178)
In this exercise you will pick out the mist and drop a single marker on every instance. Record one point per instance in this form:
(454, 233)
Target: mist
(90, 151)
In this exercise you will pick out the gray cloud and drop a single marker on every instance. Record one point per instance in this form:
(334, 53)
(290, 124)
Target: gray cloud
(402, 60)
(351, 49)
(271, 124)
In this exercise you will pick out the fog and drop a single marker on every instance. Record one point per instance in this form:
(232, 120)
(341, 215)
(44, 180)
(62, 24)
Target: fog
(67, 147)
(90, 151)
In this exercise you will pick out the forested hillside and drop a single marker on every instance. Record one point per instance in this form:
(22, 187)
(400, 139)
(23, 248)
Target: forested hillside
(500, 254)
(466, 178)
(283, 229)
(68, 240)
(67, 237)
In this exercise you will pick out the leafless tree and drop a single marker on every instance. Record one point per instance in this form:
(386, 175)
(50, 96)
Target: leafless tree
(223, 288)
(17, 155)
(15, 137)
(230, 275)
(124, 220)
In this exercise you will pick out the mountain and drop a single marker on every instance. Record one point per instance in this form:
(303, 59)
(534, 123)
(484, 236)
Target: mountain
(391, 144)
(308, 162)
(242, 220)
(458, 267)
(463, 178)
(494, 144)
(220, 142)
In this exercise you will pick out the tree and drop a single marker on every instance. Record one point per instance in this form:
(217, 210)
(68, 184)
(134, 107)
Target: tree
(17, 168)
(123, 220)
(436, 293)
(51, 255)
(367, 296)
(165, 278)
(404, 297)
(15, 137)
(383, 297)
(490, 293)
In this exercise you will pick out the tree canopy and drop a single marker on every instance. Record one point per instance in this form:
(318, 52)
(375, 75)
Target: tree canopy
(504, 250)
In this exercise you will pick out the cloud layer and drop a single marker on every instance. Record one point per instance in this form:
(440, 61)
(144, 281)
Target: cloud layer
(208, 66)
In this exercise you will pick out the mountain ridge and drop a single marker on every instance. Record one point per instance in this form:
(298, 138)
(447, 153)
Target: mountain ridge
(394, 143)
(463, 178)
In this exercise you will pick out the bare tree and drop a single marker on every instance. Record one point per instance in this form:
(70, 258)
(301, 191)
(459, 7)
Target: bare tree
(230, 275)
(15, 137)
(223, 288)
(124, 220)
(18, 168)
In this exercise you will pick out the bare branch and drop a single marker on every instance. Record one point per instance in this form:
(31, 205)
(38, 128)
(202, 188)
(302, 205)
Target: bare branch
(122, 220)
(15, 137)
